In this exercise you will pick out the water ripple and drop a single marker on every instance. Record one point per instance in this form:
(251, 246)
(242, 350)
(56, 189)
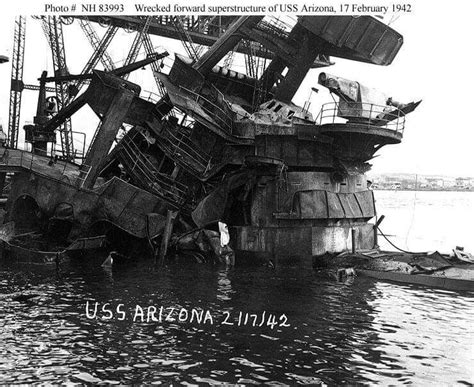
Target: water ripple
(364, 333)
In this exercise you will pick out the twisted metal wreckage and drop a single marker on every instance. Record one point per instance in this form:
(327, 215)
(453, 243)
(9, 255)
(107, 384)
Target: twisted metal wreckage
(217, 148)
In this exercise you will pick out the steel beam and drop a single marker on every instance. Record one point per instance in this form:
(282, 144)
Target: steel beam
(105, 137)
(16, 81)
(226, 43)
(52, 28)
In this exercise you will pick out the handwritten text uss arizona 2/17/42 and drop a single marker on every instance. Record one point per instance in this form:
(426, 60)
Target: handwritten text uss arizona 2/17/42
(162, 314)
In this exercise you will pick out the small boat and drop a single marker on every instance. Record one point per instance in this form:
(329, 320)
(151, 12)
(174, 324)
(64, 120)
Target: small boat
(428, 269)
(436, 281)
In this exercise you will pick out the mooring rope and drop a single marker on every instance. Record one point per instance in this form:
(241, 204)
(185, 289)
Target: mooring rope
(398, 248)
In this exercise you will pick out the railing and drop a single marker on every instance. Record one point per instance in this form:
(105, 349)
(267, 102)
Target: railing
(223, 118)
(32, 162)
(79, 152)
(150, 96)
(179, 145)
(274, 26)
(157, 182)
(211, 25)
(155, 98)
(79, 146)
(84, 172)
(364, 114)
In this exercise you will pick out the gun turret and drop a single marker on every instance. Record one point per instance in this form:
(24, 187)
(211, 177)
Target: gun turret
(358, 102)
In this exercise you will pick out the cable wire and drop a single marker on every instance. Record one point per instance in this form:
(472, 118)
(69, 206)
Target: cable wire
(398, 248)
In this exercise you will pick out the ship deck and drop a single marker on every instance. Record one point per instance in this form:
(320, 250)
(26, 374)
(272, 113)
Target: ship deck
(16, 160)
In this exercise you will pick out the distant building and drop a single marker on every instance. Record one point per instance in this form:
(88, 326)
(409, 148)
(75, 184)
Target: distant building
(463, 183)
(422, 182)
(434, 183)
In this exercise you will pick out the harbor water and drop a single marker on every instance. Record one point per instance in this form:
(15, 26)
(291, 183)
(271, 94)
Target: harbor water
(198, 324)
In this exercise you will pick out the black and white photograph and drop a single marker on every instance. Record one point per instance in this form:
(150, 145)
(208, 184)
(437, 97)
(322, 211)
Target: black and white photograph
(236, 193)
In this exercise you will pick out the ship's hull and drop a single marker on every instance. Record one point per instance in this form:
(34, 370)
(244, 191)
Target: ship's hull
(299, 246)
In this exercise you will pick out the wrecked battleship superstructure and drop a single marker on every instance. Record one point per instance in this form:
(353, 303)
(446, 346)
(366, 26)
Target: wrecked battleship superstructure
(221, 147)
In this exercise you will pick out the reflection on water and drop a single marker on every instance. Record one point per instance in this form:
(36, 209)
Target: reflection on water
(363, 333)
(366, 333)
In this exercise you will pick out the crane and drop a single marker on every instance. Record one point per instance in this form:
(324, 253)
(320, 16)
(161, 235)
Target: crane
(149, 49)
(99, 46)
(100, 51)
(52, 28)
(185, 38)
(17, 86)
(137, 43)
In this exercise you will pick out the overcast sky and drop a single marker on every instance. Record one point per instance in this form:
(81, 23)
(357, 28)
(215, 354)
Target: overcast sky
(434, 64)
